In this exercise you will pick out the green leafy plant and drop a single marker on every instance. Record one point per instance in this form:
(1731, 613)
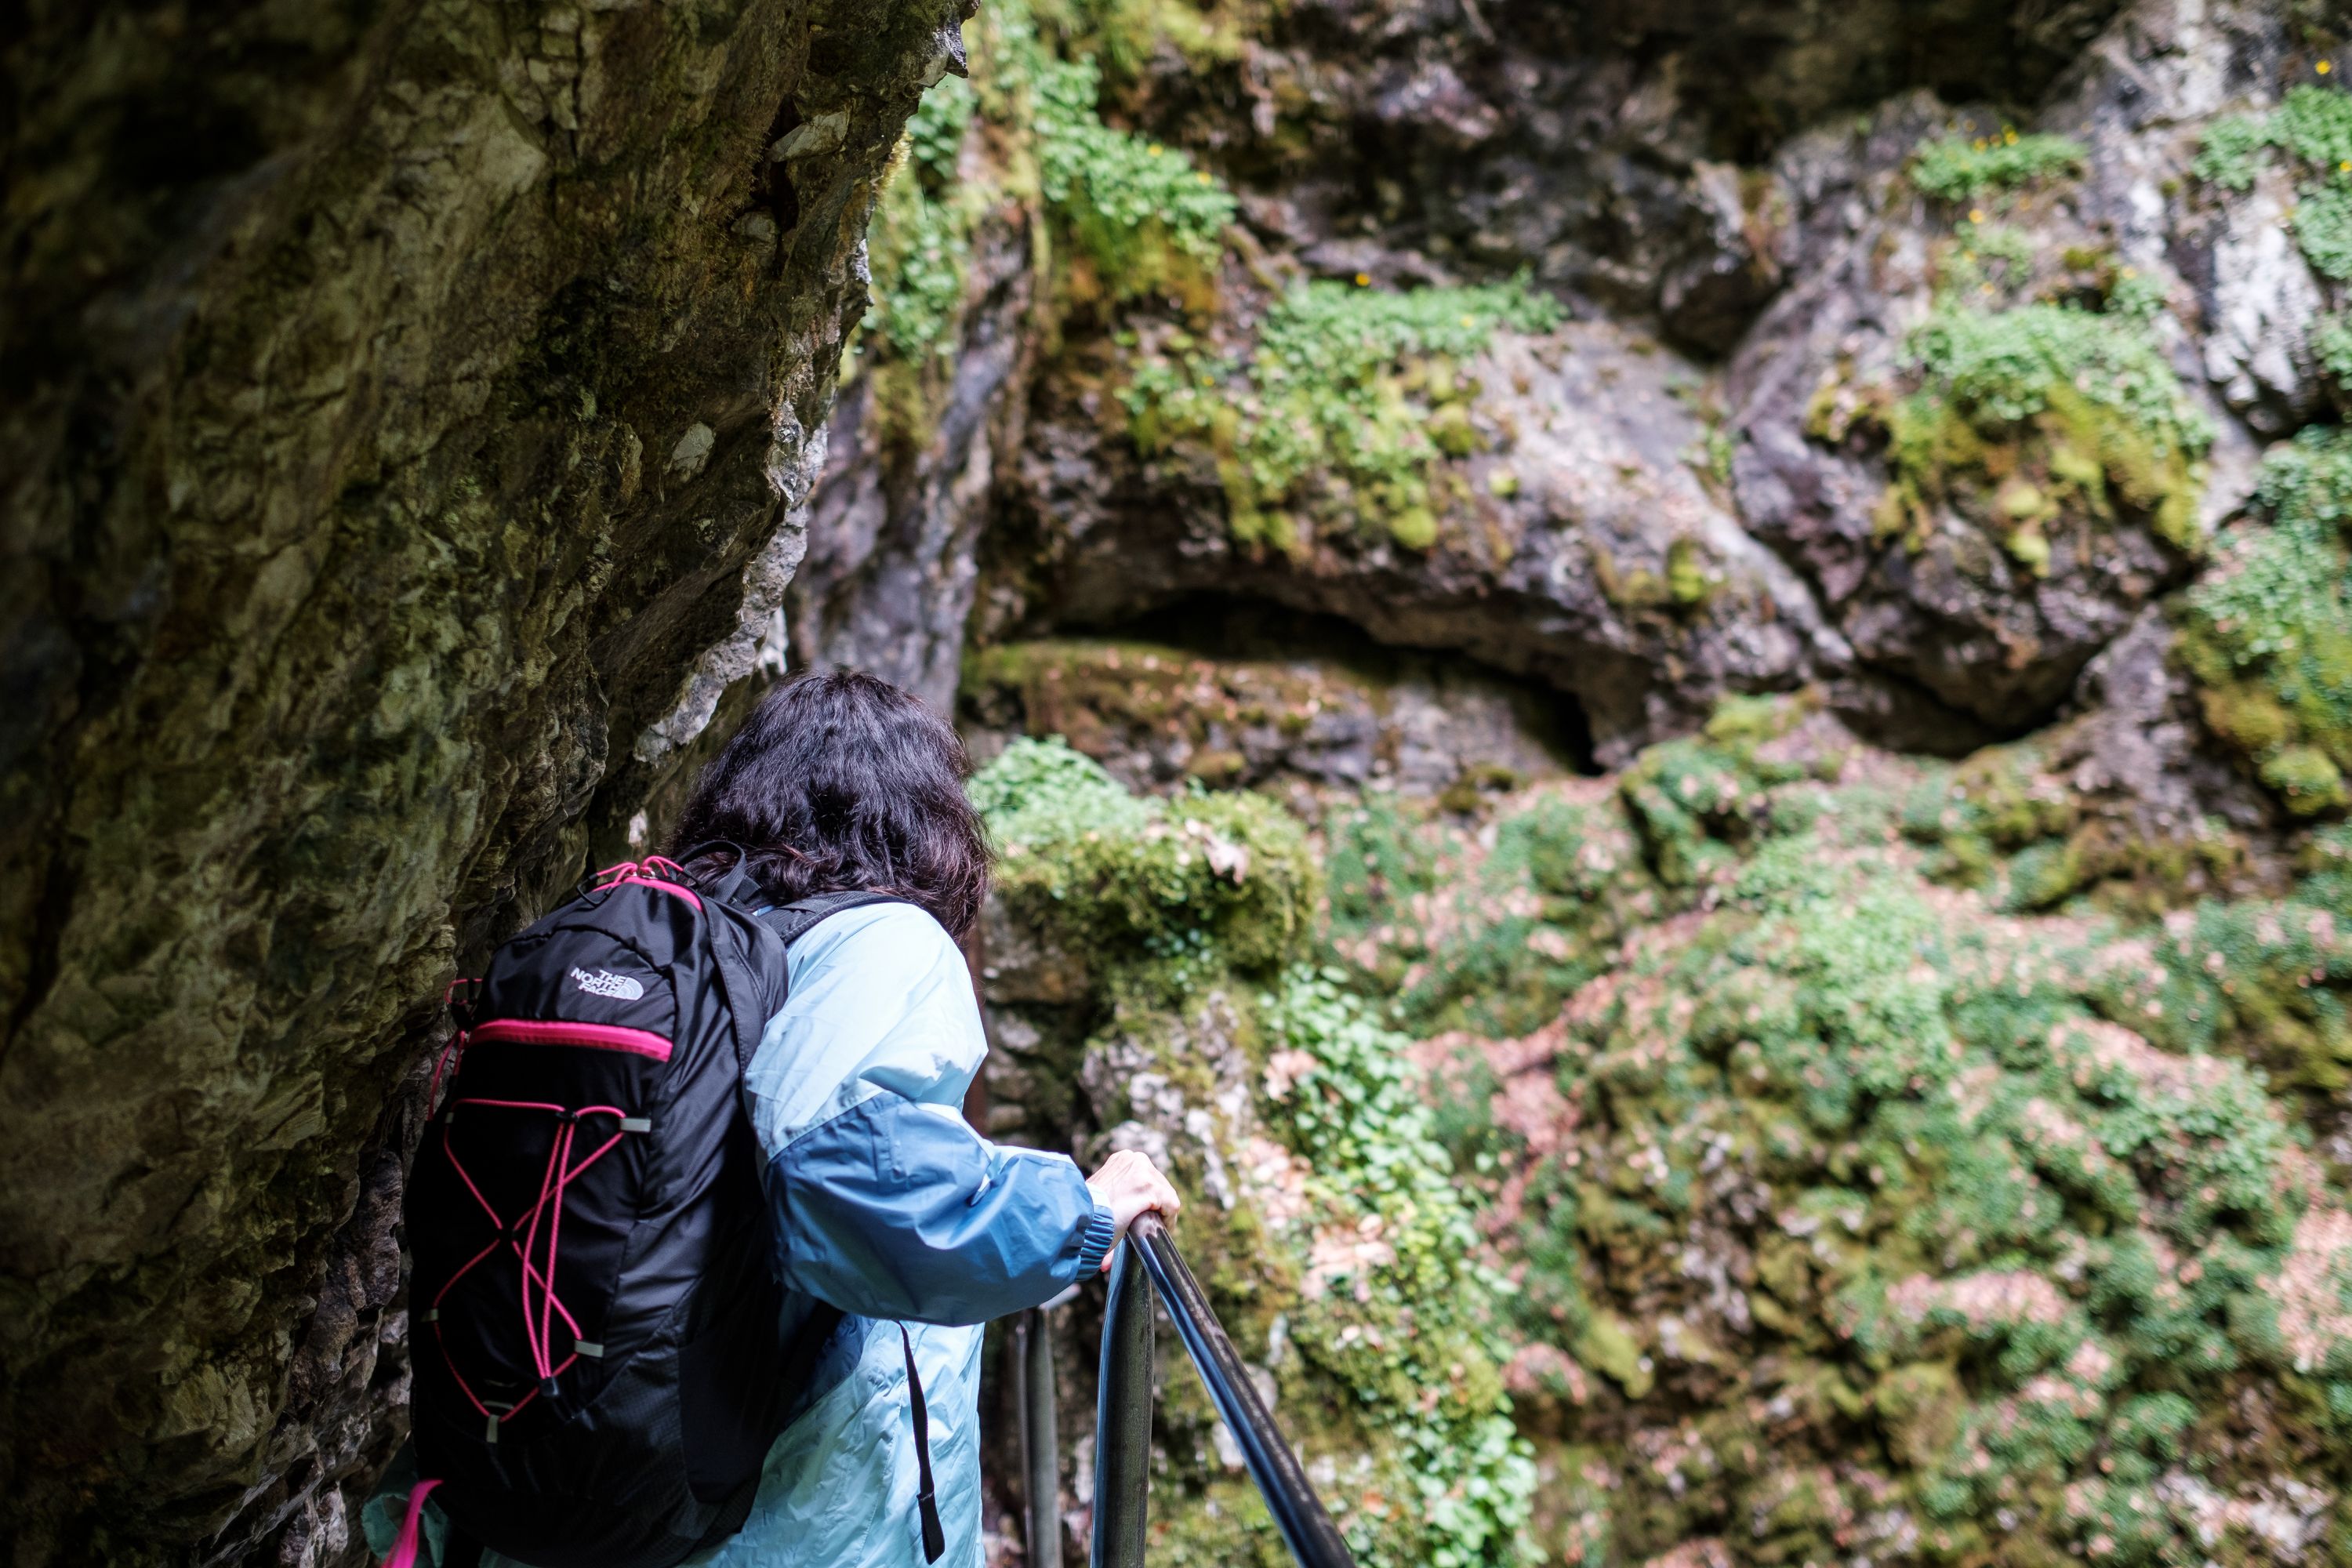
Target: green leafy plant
(1142, 212)
(2230, 153)
(1957, 168)
(1136, 217)
(2030, 1249)
(1360, 1266)
(2331, 344)
(2313, 125)
(918, 249)
(1140, 877)
(1458, 932)
(1414, 1328)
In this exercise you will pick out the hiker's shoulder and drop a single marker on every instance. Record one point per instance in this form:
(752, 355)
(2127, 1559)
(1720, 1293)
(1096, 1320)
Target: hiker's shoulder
(898, 938)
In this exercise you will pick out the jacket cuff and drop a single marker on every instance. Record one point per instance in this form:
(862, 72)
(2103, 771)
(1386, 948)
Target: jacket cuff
(1101, 1235)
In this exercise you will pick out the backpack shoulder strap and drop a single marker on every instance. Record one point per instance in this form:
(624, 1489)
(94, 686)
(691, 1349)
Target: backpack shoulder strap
(796, 920)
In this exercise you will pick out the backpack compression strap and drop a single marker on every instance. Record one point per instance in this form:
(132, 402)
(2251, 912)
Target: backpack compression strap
(796, 920)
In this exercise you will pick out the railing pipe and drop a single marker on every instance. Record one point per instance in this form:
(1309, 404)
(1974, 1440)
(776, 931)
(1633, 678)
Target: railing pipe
(1123, 1417)
(1041, 1445)
(1124, 1429)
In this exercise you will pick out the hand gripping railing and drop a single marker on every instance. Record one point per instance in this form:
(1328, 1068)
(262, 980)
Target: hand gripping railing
(1123, 1410)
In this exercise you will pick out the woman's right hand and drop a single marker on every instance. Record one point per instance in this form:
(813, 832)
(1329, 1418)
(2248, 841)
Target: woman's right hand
(1129, 1184)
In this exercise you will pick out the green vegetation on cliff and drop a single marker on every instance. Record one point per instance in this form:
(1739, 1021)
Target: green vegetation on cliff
(1851, 1217)
(2268, 631)
(1142, 879)
(1826, 1174)
(1325, 1218)
(2039, 415)
(1362, 391)
(1142, 214)
(919, 247)
(2313, 125)
(1122, 214)
(1957, 168)
(2036, 403)
(1457, 933)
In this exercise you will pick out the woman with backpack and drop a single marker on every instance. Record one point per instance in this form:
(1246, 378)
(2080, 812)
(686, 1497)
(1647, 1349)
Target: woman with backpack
(837, 817)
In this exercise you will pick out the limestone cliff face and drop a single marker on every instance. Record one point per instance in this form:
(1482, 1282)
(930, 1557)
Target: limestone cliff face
(407, 411)
(1762, 593)
(1594, 348)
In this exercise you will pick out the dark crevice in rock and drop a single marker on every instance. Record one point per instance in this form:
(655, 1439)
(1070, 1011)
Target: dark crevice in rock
(776, 190)
(1238, 627)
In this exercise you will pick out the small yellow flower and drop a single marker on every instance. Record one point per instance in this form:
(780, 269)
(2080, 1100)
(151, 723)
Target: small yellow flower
(1469, 320)
(2324, 66)
(1202, 177)
(1363, 279)
(2009, 137)
(1979, 143)
(1153, 151)
(1976, 214)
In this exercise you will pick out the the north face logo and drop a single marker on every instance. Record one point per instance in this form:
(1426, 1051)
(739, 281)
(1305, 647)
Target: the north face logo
(605, 983)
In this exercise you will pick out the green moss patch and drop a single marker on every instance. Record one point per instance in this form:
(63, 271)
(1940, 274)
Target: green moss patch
(1464, 930)
(1143, 213)
(1121, 214)
(1133, 880)
(2267, 632)
(1326, 1224)
(2039, 417)
(2015, 1217)
(1344, 411)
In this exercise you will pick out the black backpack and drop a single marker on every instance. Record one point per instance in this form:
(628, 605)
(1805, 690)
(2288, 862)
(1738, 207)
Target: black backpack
(599, 1370)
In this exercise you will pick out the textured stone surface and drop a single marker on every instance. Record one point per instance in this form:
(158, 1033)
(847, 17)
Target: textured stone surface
(401, 403)
(1565, 578)
(410, 432)
(1157, 716)
(1651, 509)
(893, 534)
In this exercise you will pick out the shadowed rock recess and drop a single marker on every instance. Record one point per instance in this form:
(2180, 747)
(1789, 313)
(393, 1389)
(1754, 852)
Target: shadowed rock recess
(407, 411)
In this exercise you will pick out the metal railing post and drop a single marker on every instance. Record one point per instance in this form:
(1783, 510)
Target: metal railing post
(1297, 1513)
(1123, 1417)
(1033, 1353)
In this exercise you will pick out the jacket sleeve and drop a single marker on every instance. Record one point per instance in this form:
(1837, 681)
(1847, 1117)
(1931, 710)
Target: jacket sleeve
(887, 1205)
(895, 1209)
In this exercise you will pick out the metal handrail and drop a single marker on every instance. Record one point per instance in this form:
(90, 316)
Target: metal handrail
(1032, 1362)
(1123, 1410)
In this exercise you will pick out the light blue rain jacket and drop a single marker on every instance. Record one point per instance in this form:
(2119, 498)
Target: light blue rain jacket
(891, 1208)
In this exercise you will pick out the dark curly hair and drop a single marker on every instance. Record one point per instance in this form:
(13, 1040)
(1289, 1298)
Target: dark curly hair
(840, 781)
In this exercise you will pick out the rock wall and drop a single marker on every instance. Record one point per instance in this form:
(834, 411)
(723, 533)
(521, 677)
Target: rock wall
(1846, 425)
(408, 411)
(1902, 1099)
(1276, 350)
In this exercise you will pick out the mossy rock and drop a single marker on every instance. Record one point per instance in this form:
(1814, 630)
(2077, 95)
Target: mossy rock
(2267, 633)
